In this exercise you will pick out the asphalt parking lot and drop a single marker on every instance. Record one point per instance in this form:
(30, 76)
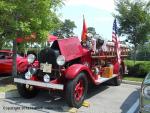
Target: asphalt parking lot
(102, 99)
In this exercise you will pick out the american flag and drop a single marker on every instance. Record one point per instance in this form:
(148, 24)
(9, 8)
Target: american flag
(116, 40)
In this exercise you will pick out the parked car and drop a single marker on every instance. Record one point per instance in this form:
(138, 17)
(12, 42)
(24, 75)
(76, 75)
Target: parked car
(6, 62)
(145, 95)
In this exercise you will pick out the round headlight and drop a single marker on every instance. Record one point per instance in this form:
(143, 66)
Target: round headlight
(146, 92)
(46, 78)
(28, 75)
(60, 60)
(31, 58)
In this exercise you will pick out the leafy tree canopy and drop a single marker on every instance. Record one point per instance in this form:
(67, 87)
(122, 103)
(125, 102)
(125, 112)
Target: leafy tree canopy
(134, 20)
(66, 29)
(21, 18)
(92, 30)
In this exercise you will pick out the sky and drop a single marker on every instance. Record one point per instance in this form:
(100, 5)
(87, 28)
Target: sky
(97, 13)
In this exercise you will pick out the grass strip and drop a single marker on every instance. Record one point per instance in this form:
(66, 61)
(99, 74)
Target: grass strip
(131, 78)
(8, 87)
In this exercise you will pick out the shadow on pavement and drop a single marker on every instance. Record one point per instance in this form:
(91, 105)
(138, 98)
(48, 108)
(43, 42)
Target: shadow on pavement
(42, 102)
(129, 102)
(93, 90)
(54, 101)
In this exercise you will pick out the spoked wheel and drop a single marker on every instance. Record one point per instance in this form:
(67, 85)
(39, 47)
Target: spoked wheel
(79, 90)
(118, 80)
(76, 90)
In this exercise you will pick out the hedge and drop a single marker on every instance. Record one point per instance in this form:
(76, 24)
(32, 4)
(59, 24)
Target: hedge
(140, 69)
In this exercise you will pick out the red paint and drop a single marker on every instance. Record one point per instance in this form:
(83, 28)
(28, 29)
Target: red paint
(22, 64)
(75, 69)
(28, 38)
(6, 51)
(70, 48)
(52, 38)
(84, 31)
(116, 68)
(79, 90)
(34, 78)
(6, 63)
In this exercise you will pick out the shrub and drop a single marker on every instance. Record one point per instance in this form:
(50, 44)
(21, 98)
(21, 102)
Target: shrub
(140, 69)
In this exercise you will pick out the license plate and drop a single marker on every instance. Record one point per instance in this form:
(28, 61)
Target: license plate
(47, 68)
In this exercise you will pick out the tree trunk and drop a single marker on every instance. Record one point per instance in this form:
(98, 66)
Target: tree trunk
(14, 71)
(1, 43)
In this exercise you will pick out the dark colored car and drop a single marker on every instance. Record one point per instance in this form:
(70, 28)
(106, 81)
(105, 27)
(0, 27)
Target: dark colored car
(145, 95)
(6, 62)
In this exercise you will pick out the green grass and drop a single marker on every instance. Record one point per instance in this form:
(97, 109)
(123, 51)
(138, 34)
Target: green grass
(131, 62)
(8, 87)
(133, 78)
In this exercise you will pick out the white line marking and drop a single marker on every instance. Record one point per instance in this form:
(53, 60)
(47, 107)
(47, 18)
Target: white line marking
(134, 107)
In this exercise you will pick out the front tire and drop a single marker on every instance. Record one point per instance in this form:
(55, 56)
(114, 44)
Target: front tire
(25, 90)
(76, 90)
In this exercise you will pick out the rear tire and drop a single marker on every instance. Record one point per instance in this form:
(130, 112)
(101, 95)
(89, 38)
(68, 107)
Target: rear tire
(76, 90)
(118, 80)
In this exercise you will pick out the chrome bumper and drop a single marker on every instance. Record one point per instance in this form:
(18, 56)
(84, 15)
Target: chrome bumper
(41, 84)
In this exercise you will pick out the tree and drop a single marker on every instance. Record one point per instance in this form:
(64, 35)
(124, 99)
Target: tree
(21, 18)
(66, 29)
(143, 51)
(134, 20)
(92, 30)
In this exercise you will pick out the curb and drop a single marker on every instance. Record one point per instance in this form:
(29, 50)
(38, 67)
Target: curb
(9, 94)
(131, 82)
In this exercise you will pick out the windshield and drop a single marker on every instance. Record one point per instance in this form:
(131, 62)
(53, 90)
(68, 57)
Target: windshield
(4, 54)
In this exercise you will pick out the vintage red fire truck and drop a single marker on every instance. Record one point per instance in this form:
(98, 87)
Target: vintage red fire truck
(69, 66)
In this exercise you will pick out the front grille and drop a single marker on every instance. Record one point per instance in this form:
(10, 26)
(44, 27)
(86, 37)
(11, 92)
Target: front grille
(49, 56)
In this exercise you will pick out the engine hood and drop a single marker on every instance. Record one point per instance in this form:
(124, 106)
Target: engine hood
(70, 48)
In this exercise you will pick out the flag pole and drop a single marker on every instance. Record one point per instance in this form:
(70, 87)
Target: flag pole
(84, 31)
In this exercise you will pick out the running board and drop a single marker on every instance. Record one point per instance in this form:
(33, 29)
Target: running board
(102, 79)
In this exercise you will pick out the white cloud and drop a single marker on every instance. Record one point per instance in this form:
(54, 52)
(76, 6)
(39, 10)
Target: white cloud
(107, 5)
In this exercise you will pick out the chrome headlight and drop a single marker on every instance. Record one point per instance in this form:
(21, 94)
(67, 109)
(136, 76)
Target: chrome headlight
(31, 58)
(60, 60)
(46, 78)
(146, 92)
(31, 71)
(28, 75)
